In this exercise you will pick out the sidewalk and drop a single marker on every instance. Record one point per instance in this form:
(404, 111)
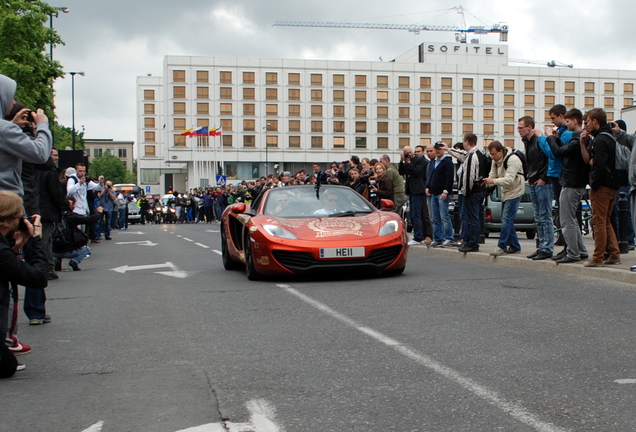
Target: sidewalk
(619, 273)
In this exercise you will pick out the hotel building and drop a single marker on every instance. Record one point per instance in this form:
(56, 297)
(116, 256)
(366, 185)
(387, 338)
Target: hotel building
(282, 115)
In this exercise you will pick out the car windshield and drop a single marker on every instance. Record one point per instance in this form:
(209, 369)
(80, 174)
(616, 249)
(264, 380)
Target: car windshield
(302, 201)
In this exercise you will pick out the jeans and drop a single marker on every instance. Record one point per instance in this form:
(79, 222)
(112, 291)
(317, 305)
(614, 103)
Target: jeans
(34, 298)
(630, 225)
(568, 204)
(105, 224)
(443, 228)
(121, 214)
(602, 201)
(542, 207)
(77, 255)
(415, 210)
(508, 235)
(470, 214)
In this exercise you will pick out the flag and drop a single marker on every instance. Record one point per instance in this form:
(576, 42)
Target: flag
(202, 131)
(186, 132)
(215, 132)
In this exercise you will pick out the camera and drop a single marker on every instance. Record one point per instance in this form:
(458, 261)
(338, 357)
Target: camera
(478, 180)
(345, 162)
(30, 117)
(371, 182)
(407, 155)
(22, 226)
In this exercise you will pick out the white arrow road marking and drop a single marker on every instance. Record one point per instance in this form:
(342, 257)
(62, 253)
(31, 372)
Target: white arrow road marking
(210, 427)
(625, 381)
(187, 239)
(175, 272)
(97, 427)
(140, 243)
(217, 252)
(202, 245)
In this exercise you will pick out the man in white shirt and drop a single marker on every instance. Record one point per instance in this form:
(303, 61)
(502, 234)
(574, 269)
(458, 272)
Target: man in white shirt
(76, 186)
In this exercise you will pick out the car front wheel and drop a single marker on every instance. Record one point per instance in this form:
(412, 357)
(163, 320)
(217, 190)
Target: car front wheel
(250, 269)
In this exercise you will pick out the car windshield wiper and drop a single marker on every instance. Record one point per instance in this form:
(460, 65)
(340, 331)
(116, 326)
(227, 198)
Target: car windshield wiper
(350, 213)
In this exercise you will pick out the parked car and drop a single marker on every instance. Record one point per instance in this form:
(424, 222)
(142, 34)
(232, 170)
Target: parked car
(134, 213)
(524, 220)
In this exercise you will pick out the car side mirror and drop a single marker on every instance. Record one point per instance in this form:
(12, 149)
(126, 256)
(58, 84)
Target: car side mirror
(239, 208)
(386, 204)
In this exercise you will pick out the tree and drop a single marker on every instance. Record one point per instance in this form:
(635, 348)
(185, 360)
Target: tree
(111, 167)
(63, 137)
(25, 38)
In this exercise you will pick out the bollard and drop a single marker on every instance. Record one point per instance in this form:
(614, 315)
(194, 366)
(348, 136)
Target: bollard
(623, 214)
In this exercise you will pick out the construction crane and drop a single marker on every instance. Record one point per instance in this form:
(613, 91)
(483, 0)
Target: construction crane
(460, 35)
(551, 63)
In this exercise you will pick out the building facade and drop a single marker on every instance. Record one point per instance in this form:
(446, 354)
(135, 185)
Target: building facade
(121, 149)
(281, 115)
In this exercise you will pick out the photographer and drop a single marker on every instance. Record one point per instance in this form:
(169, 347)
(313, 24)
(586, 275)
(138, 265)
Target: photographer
(78, 185)
(106, 200)
(413, 165)
(14, 232)
(356, 182)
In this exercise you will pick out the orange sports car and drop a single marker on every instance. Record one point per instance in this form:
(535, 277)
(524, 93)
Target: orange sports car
(305, 229)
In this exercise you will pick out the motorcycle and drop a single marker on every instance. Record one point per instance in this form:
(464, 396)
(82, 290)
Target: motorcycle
(171, 215)
(159, 215)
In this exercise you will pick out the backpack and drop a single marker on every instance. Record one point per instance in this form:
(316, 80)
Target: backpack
(524, 162)
(62, 237)
(620, 174)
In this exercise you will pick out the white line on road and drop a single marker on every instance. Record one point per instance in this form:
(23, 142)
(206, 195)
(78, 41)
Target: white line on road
(97, 427)
(202, 245)
(216, 251)
(179, 236)
(186, 239)
(210, 427)
(209, 230)
(514, 410)
(625, 381)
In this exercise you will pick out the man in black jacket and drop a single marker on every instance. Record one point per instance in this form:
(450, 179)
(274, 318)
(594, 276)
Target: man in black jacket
(573, 179)
(600, 153)
(414, 165)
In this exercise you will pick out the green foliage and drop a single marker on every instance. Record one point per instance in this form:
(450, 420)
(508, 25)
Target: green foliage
(111, 167)
(25, 36)
(63, 137)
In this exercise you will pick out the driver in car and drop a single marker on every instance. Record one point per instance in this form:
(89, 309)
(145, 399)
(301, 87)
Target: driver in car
(330, 200)
(282, 205)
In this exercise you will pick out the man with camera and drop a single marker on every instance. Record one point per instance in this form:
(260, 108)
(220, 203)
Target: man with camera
(77, 186)
(414, 165)
(107, 201)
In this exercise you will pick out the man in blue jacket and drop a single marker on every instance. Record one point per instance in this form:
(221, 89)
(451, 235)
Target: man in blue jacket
(439, 186)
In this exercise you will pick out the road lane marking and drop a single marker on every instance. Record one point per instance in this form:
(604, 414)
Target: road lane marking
(97, 427)
(514, 410)
(625, 381)
(140, 243)
(216, 251)
(202, 245)
(186, 239)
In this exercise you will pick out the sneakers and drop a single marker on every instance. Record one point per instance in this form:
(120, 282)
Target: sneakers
(36, 321)
(20, 367)
(446, 243)
(47, 319)
(428, 241)
(20, 349)
(414, 243)
(434, 244)
(497, 252)
(512, 251)
(633, 268)
(612, 261)
(74, 265)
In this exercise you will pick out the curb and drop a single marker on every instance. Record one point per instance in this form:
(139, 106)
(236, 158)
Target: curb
(615, 273)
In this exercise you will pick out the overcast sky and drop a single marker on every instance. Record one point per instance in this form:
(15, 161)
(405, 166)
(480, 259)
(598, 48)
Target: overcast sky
(116, 41)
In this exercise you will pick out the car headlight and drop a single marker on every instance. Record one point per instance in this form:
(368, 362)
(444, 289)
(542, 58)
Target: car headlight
(277, 231)
(389, 228)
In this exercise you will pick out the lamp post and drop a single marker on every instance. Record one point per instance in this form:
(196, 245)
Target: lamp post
(62, 9)
(267, 151)
(73, 101)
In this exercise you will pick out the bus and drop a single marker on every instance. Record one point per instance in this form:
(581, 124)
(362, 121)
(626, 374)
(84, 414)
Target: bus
(130, 188)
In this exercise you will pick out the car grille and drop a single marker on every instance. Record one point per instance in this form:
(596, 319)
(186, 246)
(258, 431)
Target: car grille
(304, 261)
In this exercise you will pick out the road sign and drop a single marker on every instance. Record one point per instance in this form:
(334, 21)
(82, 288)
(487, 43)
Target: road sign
(221, 180)
(147, 189)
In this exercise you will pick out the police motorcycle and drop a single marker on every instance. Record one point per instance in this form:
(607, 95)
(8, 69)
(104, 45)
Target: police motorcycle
(158, 212)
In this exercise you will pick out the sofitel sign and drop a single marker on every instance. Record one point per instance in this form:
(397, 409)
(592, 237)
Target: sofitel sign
(465, 49)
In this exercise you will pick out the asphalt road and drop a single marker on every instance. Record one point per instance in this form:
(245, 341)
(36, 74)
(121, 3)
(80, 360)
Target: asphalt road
(450, 345)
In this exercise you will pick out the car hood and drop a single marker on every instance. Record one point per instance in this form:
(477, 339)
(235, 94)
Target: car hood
(352, 227)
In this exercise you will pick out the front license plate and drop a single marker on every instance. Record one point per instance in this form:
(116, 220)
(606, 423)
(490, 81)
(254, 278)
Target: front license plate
(520, 210)
(346, 252)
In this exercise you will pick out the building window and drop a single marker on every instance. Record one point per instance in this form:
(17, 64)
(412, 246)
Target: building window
(489, 129)
(546, 116)
(383, 81)
(404, 82)
(608, 102)
(316, 79)
(467, 83)
(383, 127)
(447, 98)
(294, 142)
(225, 77)
(549, 101)
(447, 128)
(447, 83)
(467, 128)
(179, 107)
(404, 142)
(361, 80)
(425, 128)
(316, 95)
(338, 111)
(467, 114)
(149, 150)
(226, 125)
(425, 82)
(404, 112)
(271, 109)
(361, 112)
(225, 92)
(271, 78)
(447, 113)
(178, 92)
(628, 88)
(149, 95)
(528, 85)
(316, 126)
(489, 84)
(569, 86)
(204, 108)
(569, 101)
(489, 114)
(528, 100)
(149, 137)
(489, 99)
(467, 98)
(249, 125)
(627, 102)
(509, 85)
(272, 141)
(204, 93)
(121, 153)
(425, 98)
(589, 102)
(383, 143)
(338, 80)
(404, 97)
(203, 77)
(97, 152)
(338, 95)
(361, 96)
(589, 87)
(149, 123)
(203, 122)
(509, 100)
(293, 79)
(549, 86)
(294, 110)
(316, 142)
(510, 143)
(383, 112)
(610, 116)
(361, 127)
(226, 140)
(293, 94)
(271, 94)
(249, 141)
(509, 129)
(509, 115)
(248, 78)
(338, 142)
(179, 124)
(294, 126)
(249, 109)
(404, 128)
(316, 110)
(149, 108)
(608, 88)
(272, 125)
(248, 93)
(226, 109)
(383, 96)
(339, 127)
(425, 113)
(361, 142)
(178, 75)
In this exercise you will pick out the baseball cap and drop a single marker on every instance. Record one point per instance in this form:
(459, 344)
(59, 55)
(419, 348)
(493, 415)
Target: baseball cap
(287, 173)
(70, 171)
(439, 144)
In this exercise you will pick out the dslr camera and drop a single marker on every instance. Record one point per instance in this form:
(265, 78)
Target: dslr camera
(23, 226)
(478, 180)
(30, 117)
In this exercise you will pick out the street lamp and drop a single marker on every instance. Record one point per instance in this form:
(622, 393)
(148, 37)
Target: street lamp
(267, 151)
(62, 9)
(73, 100)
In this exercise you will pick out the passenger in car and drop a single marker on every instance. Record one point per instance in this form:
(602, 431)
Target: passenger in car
(330, 201)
